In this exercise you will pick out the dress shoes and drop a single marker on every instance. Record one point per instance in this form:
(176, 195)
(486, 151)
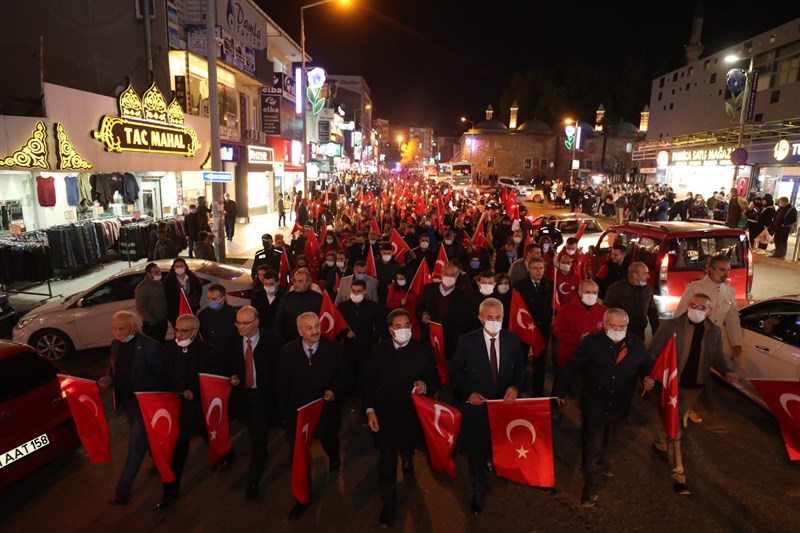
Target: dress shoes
(588, 500)
(490, 467)
(681, 488)
(164, 502)
(661, 453)
(120, 499)
(408, 467)
(388, 515)
(223, 465)
(476, 505)
(251, 491)
(298, 510)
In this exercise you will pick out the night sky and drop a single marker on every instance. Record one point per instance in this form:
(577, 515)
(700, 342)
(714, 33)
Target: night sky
(428, 62)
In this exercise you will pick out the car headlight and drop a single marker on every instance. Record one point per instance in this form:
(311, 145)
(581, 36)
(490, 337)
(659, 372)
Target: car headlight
(24, 322)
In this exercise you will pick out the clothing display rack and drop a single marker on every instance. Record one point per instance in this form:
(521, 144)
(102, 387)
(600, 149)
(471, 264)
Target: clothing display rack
(25, 258)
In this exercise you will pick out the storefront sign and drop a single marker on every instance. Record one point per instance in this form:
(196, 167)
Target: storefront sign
(227, 152)
(218, 177)
(331, 149)
(260, 155)
(68, 157)
(324, 131)
(270, 111)
(783, 149)
(237, 54)
(33, 154)
(147, 125)
(240, 19)
(713, 155)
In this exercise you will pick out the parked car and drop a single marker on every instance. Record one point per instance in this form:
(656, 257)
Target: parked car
(569, 223)
(676, 254)
(770, 344)
(525, 189)
(8, 316)
(81, 321)
(35, 421)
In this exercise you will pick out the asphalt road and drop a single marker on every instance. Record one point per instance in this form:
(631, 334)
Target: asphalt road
(737, 468)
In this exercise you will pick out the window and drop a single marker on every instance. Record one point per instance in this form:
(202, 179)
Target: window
(115, 290)
(774, 97)
(786, 67)
(544, 164)
(659, 96)
(626, 239)
(670, 105)
(527, 163)
(647, 251)
(713, 78)
(759, 117)
(706, 64)
(688, 86)
(779, 320)
(490, 162)
(606, 243)
(23, 372)
(673, 91)
(675, 77)
(661, 83)
(587, 163)
(719, 93)
(691, 69)
(691, 253)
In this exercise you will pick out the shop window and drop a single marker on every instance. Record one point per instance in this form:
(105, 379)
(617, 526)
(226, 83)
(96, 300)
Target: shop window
(774, 97)
(713, 78)
(527, 163)
(544, 164)
(199, 102)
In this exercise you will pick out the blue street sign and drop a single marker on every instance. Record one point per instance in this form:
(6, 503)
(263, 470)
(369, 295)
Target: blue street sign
(220, 177)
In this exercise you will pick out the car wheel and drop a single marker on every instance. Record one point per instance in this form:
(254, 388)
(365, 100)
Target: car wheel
(537, 198)
(52, 344)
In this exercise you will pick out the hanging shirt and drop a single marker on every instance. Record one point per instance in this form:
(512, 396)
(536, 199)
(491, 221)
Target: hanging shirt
(73, 195)
(46, 190)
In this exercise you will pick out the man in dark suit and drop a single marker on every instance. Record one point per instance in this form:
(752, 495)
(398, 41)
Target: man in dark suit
(469, 319)
(441, 302)
(294, 303)
(266, 300)
(537, 291)
(135, 367)
(357, 250)
(610, 362)
(489, 364)
(217, 321)
(386, 269)
(394, 368)
(310, 368)
(251, 362)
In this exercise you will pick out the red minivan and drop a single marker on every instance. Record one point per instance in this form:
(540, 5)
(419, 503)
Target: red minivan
(676, 254)
(35, 421)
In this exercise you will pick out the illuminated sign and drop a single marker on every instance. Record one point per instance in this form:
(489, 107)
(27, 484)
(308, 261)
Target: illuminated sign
(68, 157)
(784, 149)
(259, 155)
(331, 149)
(218, 177)
(33, 154)
(712, 155)
(243, 21)
(227, 153)
(148, 125)
(662, 159)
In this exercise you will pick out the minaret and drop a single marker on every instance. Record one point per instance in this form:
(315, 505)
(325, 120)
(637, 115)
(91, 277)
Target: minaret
(489, 112)
(644, 119)
(598, 120)
(512, 122)
(695, 47)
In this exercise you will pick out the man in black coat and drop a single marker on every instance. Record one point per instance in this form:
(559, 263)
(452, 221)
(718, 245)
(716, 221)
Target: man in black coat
(310, 368)
(386, 268)
(267, 299)
(294, 303)
(268, 255)
(634, 295)
(470, 308)
(537, 292)
(395, 368)
(251, 362)
(615, 269)
(191, 227)
(475, 380)
(442, 302)
(423, 252)
(357, 250)
(610, 363)
(181, 362)
(218, 320)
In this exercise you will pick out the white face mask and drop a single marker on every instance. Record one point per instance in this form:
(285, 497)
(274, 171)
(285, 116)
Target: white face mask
(157, 278)
(340, 264)
(570, 252)
(401, 282)
(503, 288)
(589, 299)
(402, 336)
(424, 244)
(180, 271)
(564, 267)
(492, 327)
(696, 316)
(517, 240)
(128, 338)
(448, 282)
(272, 289)
(386, 257)
(545, 247)
(448, 242)
(184, 343)
(356, 298)
(486, 288)
(616, 335)
(329, 263)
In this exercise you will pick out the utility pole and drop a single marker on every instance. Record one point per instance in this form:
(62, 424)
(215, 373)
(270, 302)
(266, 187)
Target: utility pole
(217, 188)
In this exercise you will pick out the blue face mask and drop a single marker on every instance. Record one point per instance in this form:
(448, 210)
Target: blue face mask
(215, 305)
(361, 276)
(641, 283)
(128, 338)
(474, 264)
(511, 255)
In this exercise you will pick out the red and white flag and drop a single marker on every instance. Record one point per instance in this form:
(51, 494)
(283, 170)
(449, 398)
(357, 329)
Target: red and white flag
(161, 413)
(86, 406)
(311, 251)
(323, 231)
(371, 270)
(307, 419)
(283, 271)
(783, 399)
(665, 370)
(374, 227)
(421, 278)
(437, 341)
(479, 240)
(522, 441)
(399, 247)
(581, 230)
(183, 307)
(441, 424)
(521, 322)
(215, 392)
(555, 302)
(441, 261)
(331, 320)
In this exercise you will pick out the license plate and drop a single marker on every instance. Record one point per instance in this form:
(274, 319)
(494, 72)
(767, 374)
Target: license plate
(11, 456)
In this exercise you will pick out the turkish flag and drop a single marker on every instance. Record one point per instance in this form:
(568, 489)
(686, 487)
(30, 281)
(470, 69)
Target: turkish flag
(421, 278)
(448, 195)
(555, 302)
(441, 261)
(441, 424)
(330, 318)
(184, 307)
(360, 194)
(466, 241)
(399, 247)
(162, 434)
(512, 208)
(86, 406)
(780, 396)
(437, 341)
(504, 195)
(581, 230)
(296, 227)
(307, 418)
(371, 270)
(479, 240)
(521, 322)
(419, 205)
(665, 370)
(322, 231)
(522, 441)
(375, 227)
(214, 393)
(311, 251)
(283, 271)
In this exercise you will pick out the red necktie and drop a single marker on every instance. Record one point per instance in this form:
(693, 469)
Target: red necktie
(248, 365)
(622, 353)
(493, 360)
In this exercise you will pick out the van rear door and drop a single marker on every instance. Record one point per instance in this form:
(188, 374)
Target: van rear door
(688, 257)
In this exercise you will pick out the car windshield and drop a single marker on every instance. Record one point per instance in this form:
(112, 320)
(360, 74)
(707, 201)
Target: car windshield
(571, 226)
(692, 253)
(222, 271)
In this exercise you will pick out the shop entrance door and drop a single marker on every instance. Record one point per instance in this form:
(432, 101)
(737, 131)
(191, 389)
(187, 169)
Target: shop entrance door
(788, 187)
(151, 198)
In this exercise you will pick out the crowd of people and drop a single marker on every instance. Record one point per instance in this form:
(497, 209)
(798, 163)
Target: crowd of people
(366, 245)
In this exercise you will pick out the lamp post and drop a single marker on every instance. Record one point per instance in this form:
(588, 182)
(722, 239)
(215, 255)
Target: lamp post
(575, 133)
(748, 79)
(470, 139)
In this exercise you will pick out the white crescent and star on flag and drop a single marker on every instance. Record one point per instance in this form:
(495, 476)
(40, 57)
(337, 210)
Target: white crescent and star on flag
(522, 323)
(84, 398)
(521, 422)
(162, 413)
(326, 316)
(438, 408)
(216, 402)
(787, 397)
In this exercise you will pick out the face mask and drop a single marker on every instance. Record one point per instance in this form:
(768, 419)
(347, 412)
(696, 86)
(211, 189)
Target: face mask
(571, 252)
(589, 299)
(340, 264)
(448, 242)
(545, 247)
(215, 306)
(696, 316)
(402, 336)
(448, 281)
(193, 211)
(180, 271)
(565, 268)
(361, 276)
(184, 343)
(329, 241)
(486, 289)
(386, 257)
(474, 264)
(401, 282)
(503, 288)
(128, 338)
(517, 240)
(329, 263)
(511, 255)
(356, 298)
(157, 278)
(424, 245)
(641, 283)
(373, 241)
(429, 223)
(615, 335)
(492, 327)
(272, 289)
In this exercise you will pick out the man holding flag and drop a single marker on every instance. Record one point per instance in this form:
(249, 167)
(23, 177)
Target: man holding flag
(697, 346)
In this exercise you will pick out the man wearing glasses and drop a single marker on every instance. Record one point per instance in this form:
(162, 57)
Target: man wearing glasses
(698, 347)
(251, 361)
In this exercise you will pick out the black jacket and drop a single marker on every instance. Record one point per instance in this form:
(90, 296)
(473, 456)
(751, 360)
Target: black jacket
(539, 302)
(367, 320)
(292, 305)
(266, 310)
(638, 302)
(265, 357)
(146, 368)
(450, 321)
(217, 327)
(179, 372)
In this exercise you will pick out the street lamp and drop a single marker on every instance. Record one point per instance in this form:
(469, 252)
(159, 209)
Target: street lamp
(471, 139)
(748, 82)
(303, 81)
(573, 138)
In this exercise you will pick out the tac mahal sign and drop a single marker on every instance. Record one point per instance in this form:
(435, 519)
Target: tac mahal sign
(147, 124)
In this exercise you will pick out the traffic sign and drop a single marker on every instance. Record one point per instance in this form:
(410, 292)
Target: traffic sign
(739, 156)
(220, 177)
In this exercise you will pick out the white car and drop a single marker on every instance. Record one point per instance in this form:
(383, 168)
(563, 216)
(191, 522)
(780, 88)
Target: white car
(525, 189)
(83, 320)
(771, 343)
